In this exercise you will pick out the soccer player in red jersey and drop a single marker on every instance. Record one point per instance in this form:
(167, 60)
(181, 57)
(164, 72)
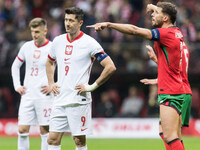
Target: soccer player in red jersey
(168, 45)
(186, 107)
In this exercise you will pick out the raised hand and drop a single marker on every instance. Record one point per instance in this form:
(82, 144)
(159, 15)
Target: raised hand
(151, 53)
(151, 8)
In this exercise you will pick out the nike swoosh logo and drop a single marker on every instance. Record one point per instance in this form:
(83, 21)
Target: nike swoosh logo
(66, 59)
(83, 129)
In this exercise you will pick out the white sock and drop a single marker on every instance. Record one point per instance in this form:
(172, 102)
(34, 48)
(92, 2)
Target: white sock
(54, 147)
(82, 148)
(23, 141)
(44, 144)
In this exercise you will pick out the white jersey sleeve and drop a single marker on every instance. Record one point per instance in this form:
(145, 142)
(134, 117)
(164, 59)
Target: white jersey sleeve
(51, 54)
(16, 73)
(95, 47)
(15, 69)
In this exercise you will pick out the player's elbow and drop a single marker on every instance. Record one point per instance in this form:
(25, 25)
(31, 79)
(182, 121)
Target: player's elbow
(14, 67)
(111, 68)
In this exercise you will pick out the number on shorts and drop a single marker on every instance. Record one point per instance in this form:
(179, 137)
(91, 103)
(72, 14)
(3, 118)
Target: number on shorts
(47, 112)
(83, 120)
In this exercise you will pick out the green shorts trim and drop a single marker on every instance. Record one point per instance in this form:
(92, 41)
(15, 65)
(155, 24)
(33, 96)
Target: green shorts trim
(186, 109)
(174, 101)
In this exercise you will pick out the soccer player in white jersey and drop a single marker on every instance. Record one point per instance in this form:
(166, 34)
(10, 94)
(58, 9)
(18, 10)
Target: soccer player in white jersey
(74, 53)
(36, 100)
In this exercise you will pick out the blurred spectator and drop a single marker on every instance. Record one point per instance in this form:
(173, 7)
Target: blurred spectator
(6, 102)
(153, 107)
(195, 111)
(115, 97)
(84, 5)
(132, 104)
(106, 107)
(188, 30)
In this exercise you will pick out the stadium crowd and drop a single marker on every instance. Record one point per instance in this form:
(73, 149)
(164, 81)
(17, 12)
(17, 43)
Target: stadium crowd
(123, 49)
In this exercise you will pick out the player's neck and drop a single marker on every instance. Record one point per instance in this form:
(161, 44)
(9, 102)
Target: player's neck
(72, 36)
(167, 25)
(40, 43)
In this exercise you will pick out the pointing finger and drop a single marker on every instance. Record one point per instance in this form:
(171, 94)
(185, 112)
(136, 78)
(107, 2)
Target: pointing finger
(90, 26)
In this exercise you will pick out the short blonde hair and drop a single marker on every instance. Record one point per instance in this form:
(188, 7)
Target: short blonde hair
(37, 22)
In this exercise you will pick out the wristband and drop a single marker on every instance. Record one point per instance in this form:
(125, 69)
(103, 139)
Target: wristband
(92, 87)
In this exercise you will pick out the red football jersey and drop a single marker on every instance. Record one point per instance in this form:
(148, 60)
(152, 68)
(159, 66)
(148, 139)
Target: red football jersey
(184, 73)
(168, 46)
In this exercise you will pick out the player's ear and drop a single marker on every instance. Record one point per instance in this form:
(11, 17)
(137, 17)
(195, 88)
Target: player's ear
(81, 22)
(166, 18)
(45, 31)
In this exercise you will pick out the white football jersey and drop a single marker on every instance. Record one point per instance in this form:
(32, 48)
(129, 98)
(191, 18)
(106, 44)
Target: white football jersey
(35, 74)
(74, 60)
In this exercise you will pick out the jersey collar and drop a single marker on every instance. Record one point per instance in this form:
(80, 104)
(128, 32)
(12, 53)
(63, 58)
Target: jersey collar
(78, 37)
(42, 45)
(172, 26)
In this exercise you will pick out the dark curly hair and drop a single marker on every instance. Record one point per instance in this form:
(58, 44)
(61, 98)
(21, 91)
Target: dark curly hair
(169, 9)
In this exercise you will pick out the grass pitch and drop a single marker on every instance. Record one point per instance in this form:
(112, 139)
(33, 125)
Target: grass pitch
(191, 143)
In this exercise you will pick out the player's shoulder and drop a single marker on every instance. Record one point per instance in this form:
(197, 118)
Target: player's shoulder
(171, 29)
(60, 37)
(27, 44)
(88, 38)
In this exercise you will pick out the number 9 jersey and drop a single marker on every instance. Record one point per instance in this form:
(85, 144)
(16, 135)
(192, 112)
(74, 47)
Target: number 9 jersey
(74, 60)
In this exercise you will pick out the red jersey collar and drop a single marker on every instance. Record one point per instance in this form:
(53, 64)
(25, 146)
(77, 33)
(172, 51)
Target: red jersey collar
(43, 44)
(78, 37)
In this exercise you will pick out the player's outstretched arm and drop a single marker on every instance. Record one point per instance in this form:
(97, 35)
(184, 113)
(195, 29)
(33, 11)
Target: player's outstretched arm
(149, 81)
(151, 53)
(109, 69)
(124, 28)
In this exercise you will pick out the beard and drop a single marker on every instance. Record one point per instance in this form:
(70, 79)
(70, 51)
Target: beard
(158, 24)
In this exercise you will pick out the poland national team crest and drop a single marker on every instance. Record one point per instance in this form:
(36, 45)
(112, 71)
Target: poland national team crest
(36, 54)
(68, 49)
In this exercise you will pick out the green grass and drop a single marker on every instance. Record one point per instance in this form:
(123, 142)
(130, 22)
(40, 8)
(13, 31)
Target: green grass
(191, 143)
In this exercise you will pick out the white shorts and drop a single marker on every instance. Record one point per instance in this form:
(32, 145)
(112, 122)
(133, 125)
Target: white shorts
(75, 118)
(34, 111)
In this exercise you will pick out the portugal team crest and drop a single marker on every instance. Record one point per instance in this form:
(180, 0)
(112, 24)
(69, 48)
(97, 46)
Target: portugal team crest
(36, 54)
(68, 49)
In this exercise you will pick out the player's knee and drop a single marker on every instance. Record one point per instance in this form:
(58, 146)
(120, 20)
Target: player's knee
(23, 130)
(53, 141)
(44, 129)
(170, 137)
(79, 141)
